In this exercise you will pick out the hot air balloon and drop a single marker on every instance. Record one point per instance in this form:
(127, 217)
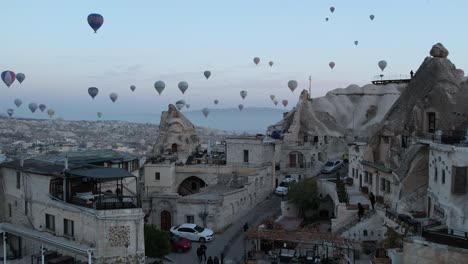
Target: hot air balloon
(332, 9)
(180, 104)
(332, 65)
(8, 77)
(275, 102)
(205, 112)
(243, 94)
(99, 114)
(20, 77)
(18, 102)
(256, 60)
(356, 42)
(51, 112)
(292, 84)
(272, 97)
(183, 86)
(371, 17)
(159, 86)
(95, 21)
(32, 107)
(271, 63)
(188, 106)
(132, 87)
(207, 74)
(10, 112)
(326, 19)
(382, 65)
(42, 107)
(216, 101)
(113, 97)
(285, 103)
(241, 106)
(93, 91)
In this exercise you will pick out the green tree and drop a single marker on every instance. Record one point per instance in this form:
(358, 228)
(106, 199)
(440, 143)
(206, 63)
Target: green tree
(304, 195)
(157, 242)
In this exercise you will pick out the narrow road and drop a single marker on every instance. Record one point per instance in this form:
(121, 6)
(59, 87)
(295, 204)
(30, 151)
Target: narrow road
(233, 237)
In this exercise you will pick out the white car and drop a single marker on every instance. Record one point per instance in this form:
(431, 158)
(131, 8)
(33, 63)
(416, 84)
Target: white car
(283, 187)
(193, 232)
(332, 166)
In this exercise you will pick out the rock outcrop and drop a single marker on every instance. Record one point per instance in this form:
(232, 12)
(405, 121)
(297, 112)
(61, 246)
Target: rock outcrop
(439, 51)
(177, 135)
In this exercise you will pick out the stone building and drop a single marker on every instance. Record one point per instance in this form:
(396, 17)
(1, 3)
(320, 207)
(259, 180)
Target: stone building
(84, 207)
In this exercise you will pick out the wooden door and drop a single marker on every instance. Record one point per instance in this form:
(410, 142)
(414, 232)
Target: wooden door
(166, 221)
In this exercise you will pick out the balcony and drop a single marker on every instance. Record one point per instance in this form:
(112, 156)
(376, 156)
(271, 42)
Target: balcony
(97, 188)
(442, 235)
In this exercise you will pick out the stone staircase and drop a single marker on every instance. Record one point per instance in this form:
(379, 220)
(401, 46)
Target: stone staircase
(419, 193)
(352, 221)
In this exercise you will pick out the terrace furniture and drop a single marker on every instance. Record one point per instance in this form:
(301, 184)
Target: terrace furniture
(286, 254)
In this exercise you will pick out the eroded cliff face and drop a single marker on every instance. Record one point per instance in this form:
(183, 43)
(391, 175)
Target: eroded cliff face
(434, 103)
(350, 112)
(177, 135)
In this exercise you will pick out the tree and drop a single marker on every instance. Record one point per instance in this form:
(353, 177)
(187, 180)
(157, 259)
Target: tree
(157, 242)
(304, 195)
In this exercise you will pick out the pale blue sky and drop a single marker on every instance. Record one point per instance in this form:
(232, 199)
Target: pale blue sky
(148, 40)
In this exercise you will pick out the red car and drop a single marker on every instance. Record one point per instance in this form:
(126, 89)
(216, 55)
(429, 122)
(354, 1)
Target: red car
(180, 244)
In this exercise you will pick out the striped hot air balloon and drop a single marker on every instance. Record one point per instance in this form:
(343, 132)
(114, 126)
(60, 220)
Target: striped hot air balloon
(8, 77)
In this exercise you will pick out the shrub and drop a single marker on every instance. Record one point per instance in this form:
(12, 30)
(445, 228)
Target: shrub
(157, 242)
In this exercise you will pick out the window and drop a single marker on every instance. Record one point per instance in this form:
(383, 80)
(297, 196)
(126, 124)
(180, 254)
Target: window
(366, 176)
(459, 180)
(157, 176)
(325, 139)
(431, 121)
(319, 156)
(387, 188)
(25, 207)
(404, 141)
(435, 173)
(18, 179)
(315, 140)
(382, 184)
(306, 138)
(246, 155)
(353, 172)
(68, 227)
(9, 210)
(50, 222)
(385, 139)
(443, 176)
(190, 219)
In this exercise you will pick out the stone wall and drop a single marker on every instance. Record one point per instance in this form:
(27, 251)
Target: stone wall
(423, 252)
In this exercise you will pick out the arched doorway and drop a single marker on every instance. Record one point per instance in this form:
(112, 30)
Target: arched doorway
(166, 220)
(174, 148)
(296, 160)
(190, 186)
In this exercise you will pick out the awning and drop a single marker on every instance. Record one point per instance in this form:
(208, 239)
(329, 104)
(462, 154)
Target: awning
(99, 173)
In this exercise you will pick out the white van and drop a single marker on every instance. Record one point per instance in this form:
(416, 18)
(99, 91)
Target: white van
(283, 187)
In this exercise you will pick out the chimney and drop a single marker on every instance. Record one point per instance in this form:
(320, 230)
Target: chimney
(21, 161)
(66, 162)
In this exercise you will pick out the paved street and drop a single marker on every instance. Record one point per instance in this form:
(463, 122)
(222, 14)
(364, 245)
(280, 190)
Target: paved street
(233, 237)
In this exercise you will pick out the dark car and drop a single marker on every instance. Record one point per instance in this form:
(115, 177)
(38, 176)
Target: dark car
(180, 244)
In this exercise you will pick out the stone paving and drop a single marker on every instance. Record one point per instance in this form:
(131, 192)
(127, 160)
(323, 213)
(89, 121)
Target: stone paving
(232, 238)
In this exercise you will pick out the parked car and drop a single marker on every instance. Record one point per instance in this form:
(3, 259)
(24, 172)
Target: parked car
(193, 232)
(180, 244)
(283, 187)
(332, 166)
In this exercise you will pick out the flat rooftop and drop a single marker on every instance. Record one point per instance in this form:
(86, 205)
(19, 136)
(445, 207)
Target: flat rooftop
(212, 192)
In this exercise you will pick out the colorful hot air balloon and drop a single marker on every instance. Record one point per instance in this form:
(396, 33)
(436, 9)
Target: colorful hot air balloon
(113, 97)
(292, 84)
(95, 21)
(326, 19)
(275, 102)
(159, 86)
(188, 106)
(93, 91)
(20, 77)
(382, 65)
(42, 107)
(183, 86)
(99, 114)
(207, 74)
(356, 42)
(256, 60)
(132, 87)
(272, 97)
(32, 107)
(243, 94)
(271, 63)
(285, 103)
(8, 77)
(205, 112)
(51, 112)
(332, 65)
(216, 101)
(180, 104)
(18, 102)
(241, 106)
(10, 112)
(332, 9)
(371, 17)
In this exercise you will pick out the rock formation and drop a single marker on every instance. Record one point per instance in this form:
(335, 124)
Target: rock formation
(439, 51)
(177, 135)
